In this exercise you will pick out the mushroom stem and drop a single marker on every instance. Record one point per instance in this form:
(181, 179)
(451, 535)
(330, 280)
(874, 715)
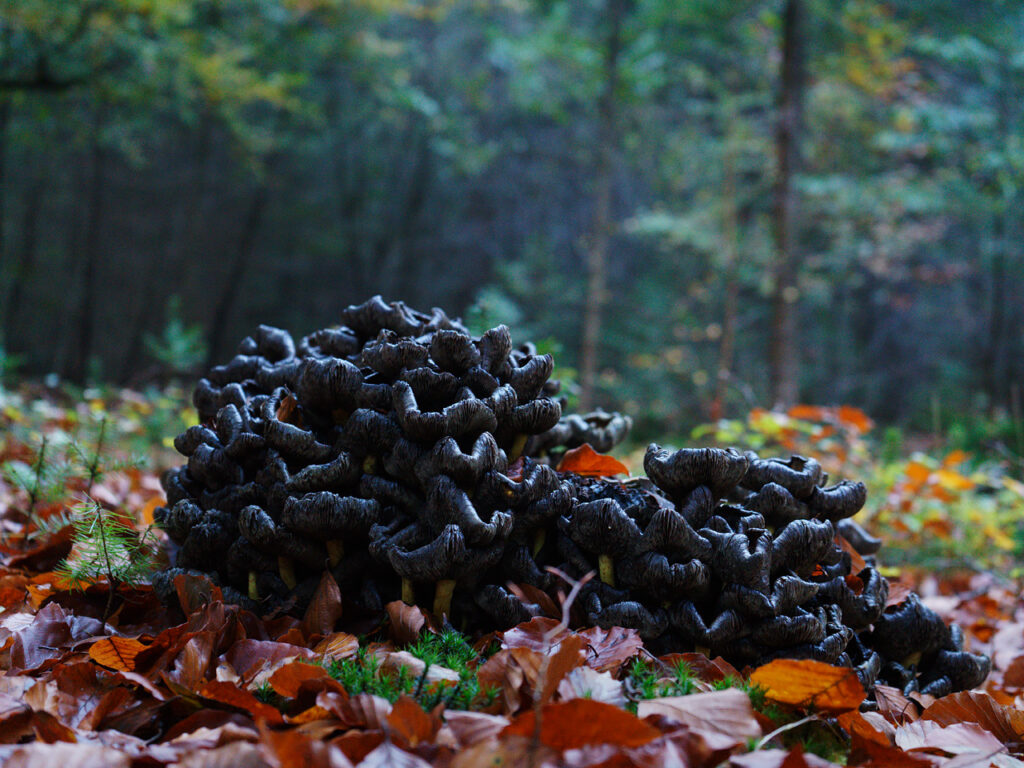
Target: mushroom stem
(340, 416)
(606, 569)
(517, 446)
(408, 595)
(443, 597)
(287, 571)
(702, 649)
(539, 537)
(335, 551)
(370, 464)
(912, 660)
(254, 591)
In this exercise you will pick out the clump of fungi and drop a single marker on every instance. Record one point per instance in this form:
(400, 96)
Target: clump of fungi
(416, 461)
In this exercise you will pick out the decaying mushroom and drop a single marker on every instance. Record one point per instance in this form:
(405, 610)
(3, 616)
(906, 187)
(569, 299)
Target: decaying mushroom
(414, 460)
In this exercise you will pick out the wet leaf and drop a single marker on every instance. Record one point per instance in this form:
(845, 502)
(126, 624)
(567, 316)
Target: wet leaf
(587, 462)
(810, 684)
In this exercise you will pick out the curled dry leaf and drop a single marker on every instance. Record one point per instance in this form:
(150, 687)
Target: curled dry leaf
(387, 755)
(726, 712)
(339, 645)
(1005, 723)
(324, 609)
(587, 683)
(810, 684)
(587, 462)
(407, 621)
(582, 722)
(608, 649)
(473, 727)
(955, 739)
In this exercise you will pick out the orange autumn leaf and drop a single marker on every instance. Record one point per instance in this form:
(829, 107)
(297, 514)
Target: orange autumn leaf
(578, 723)
(917, 473)
(808, 683)
(855, 418)
(806, 413)
(287, 679)
(587, 462)
(116, 653)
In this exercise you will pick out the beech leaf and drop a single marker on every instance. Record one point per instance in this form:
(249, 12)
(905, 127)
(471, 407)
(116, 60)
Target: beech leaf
(810, 684)
(581, 722)
(587, 462)
(116, 652)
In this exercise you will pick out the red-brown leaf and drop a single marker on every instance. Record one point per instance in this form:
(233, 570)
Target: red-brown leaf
(587, 462)
(581, 722)
(411, 724)
(287, 679)
(238, 698)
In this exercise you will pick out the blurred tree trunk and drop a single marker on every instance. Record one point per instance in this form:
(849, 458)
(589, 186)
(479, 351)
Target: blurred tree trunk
(730, 248)
(82, 351)
(996, 378)
(597, 254)
(785, 360)
(236, 275)
(25, 270)
(180, 230)
(5, 118)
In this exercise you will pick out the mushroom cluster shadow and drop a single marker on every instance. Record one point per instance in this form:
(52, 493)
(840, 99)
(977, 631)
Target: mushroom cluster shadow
(416, 461)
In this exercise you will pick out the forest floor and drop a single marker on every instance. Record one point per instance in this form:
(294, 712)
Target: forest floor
(101, 672)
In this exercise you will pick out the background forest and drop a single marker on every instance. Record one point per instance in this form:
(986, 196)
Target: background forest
(699, 206)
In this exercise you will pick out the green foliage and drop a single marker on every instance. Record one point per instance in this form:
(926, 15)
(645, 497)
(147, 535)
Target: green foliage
(646, 680)
(180, 348)
(108, 546)
(362, 674)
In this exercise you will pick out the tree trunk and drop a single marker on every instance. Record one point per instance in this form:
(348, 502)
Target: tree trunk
(995, 347)
(730, 251)
(26, 260)
(236, 275)
(91, 256)
(597, 255)
(5, 118)
(785, 359)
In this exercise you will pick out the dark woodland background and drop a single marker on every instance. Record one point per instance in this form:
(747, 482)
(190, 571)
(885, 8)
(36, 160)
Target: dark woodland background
(698, 206)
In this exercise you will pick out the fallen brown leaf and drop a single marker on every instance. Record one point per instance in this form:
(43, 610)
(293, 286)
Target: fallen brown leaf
(727, 712)
(810, 684)
(581, 722)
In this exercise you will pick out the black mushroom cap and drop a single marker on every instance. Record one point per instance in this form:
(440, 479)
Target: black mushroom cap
(679, 472)
(411, 458)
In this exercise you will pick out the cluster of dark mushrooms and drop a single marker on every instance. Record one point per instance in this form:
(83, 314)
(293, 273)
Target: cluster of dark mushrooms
(416, 461)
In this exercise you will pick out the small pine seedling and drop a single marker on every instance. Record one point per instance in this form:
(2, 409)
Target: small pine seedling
(106, 545)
